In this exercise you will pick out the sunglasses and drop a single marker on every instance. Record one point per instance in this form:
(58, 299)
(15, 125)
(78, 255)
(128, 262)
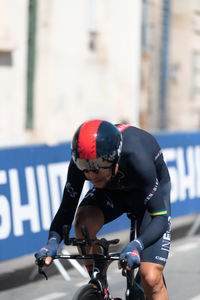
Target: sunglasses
(95, 165)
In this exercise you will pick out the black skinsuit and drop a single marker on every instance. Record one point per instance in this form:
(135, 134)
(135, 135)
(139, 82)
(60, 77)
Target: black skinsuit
(142, 186)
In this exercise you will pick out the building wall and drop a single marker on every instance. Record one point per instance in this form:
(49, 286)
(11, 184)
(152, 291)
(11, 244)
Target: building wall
(183, 81)
(151, 65)
(87, 65)
(184, 89)
(75, 82)
(13, 49)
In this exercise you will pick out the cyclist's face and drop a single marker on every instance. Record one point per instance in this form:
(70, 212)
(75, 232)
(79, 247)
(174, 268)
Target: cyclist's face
(100, 179)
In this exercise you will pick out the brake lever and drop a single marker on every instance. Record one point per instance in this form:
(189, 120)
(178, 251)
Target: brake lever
(124, 263)
(40, 267)
(41, 272)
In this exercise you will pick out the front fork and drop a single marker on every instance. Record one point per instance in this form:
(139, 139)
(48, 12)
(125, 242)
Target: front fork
(129, 277)
(134, 291)
(99, 280)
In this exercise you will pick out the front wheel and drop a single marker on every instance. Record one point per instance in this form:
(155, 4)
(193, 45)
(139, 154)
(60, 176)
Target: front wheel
(88, 292)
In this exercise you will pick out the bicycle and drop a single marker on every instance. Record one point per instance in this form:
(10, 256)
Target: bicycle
(96, 288)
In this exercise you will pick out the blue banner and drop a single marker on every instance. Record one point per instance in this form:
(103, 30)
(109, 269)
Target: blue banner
(31, 184)
(182, 155)
(32, 179)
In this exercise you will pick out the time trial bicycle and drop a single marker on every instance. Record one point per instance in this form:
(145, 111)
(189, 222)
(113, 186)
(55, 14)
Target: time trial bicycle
(97, 288)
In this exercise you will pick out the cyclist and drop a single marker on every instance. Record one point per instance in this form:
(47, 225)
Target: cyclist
(126, 167)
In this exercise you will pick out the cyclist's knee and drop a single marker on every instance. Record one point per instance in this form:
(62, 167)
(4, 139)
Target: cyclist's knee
(91, 217)
(151, 275)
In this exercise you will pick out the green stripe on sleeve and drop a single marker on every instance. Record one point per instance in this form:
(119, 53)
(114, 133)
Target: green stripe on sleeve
(162, 212)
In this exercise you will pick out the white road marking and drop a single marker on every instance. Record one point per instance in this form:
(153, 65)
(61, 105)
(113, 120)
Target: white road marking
(195, 298)
(51, 296)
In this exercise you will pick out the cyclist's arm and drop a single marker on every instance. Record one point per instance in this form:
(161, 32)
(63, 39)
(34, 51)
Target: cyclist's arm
(153, 200)
(70, 199)
(158, 212)
(64, 215)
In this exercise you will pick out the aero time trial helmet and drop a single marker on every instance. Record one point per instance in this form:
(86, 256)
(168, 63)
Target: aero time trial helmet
(96, 145)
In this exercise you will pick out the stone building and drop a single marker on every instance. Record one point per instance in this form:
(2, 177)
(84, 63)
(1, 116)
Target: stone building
(170, 93)
(63, 62)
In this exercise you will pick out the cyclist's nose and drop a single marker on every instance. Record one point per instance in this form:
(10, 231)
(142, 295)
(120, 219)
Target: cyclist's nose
(92, 174)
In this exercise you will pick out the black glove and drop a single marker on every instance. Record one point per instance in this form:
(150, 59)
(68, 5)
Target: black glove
(132, 253)
(50, 249)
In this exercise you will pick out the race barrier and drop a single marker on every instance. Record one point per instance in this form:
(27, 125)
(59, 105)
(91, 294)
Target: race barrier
(32, 179)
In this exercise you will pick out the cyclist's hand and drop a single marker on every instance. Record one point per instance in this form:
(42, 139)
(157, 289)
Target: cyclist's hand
(48, 252)
(130, 255)
(47, 260)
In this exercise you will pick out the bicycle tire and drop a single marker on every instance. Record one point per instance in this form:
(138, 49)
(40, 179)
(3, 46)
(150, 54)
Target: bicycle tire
(88, 292)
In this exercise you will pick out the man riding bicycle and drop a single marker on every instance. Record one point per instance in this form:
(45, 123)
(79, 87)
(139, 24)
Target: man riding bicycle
(126, 167)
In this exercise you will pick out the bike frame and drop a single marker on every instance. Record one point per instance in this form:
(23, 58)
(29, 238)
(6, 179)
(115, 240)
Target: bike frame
(133, 288)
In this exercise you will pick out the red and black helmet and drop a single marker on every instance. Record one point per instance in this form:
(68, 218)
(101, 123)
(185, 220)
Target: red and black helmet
(96, 145)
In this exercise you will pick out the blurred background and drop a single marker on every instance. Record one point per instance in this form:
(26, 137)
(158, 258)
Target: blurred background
(63, 62)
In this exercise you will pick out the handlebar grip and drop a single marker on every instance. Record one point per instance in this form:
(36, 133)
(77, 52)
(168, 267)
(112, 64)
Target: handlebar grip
(66, 230)
(114, 242)
(86, 235)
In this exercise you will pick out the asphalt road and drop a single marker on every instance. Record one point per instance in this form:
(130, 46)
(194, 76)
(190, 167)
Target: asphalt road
(182, 274)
